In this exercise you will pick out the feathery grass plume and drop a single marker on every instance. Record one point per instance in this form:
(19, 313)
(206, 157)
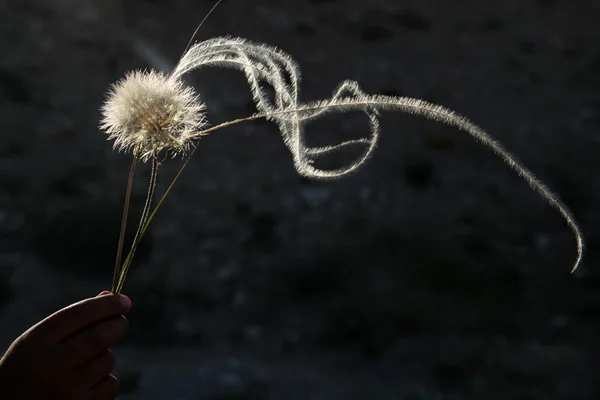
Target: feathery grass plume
(263, 64)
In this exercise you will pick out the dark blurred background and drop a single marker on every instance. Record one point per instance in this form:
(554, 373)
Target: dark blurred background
(433, 273)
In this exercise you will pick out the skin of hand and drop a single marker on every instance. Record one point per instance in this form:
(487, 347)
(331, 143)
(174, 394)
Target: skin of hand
(66, 356)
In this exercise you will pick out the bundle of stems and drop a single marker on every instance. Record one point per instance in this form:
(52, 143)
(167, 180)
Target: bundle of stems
(120, 272)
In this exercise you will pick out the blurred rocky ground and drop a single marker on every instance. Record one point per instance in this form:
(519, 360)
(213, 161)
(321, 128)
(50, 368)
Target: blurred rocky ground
(433, 273)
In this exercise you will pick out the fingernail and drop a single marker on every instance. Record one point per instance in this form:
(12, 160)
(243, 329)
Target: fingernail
(125, 301)
(104, 292)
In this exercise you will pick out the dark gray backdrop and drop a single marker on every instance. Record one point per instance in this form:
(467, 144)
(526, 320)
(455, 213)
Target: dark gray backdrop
(433, 273)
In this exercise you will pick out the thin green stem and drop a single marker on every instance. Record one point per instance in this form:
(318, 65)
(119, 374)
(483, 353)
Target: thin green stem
(129, 257)
(151, 189)
(124, 223)
(138, 235)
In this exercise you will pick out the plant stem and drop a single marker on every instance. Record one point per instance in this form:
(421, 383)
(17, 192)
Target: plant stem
(147, 224)
(140, 231)
(124, 223)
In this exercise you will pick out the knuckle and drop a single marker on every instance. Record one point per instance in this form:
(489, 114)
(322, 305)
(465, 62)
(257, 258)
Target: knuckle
(111, 361)
(112, 386)
(124, 324)
(114, 304)
(93, 342)
(106, 305)
(120, 326)
(109, 332)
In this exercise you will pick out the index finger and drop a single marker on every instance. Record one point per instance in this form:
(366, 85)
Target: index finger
(66, 322)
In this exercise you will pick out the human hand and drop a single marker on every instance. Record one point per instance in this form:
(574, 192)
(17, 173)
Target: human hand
(66, 356)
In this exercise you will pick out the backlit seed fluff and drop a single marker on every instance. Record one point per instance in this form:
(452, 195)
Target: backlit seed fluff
(147, 112)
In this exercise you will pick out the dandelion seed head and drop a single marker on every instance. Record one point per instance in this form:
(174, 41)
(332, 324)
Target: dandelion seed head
(147, 112)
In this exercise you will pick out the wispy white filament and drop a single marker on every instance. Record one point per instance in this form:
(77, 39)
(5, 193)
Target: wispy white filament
(263, 64)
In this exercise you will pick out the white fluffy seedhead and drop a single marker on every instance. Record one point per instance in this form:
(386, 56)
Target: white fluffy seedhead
(147, 112)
